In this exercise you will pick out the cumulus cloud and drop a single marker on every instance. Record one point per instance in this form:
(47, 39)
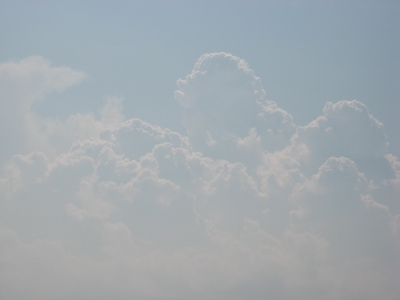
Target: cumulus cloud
(224, 103)
(247, 206)
(336, 200)
(29, 81)
(346, 129)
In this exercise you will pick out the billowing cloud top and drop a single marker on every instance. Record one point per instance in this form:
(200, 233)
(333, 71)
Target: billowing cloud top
(225, 109)
(247, 206)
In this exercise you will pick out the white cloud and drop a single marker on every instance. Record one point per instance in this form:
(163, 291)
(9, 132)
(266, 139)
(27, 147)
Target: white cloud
(61, 135)
(346, 129)
(134, 138)
(22, 84)
(223, 101)
(29, 81)
(248, 206)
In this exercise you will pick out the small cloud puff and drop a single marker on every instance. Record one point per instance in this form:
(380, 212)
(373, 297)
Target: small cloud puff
(31, 78)
(346, 129)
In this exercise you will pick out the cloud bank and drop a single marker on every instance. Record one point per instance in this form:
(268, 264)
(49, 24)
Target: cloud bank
(248, 205)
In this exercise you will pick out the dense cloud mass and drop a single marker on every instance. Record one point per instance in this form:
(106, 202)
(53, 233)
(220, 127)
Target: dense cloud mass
(246, 206)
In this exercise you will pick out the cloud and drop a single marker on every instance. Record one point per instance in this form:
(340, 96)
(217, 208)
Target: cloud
(335, 201)
(29, 81)
(223, 101)
(220, 97)
(346, 129)
(247, 206)
(135, 137)
(22, 84)
(335, 205)
(62, 134)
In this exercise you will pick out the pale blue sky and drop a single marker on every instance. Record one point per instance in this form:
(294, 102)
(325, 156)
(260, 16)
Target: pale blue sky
(305, 52)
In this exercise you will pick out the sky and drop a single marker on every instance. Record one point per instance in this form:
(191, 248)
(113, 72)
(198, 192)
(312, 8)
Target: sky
(199, 150)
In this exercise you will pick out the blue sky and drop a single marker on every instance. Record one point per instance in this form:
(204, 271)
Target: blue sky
(306, 53)
(199, 150)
